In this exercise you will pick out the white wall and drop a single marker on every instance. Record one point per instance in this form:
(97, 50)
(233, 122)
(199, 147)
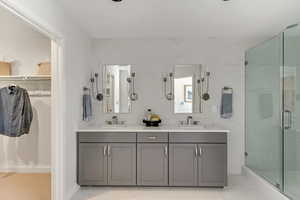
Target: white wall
(76, 51)
(22, 44)
(151, 58)
(27, 47)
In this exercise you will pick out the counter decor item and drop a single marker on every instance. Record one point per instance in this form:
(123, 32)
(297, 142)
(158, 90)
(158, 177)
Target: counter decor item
(150, 123)
(151, 119)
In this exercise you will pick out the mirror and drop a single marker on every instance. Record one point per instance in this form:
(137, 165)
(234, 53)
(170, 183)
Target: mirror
(186, 89)
(116, 89)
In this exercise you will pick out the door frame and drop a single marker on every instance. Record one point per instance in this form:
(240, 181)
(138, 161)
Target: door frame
(57, 98)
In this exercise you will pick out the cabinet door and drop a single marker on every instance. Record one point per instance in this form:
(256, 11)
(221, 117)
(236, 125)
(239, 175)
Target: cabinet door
(183, 165)
(121, 164)
(152, 164)
(92, 164)
(212, 165)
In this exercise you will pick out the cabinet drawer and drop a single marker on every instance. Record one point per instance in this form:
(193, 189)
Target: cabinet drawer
(106, 137)
(152, 137)
(198, 138)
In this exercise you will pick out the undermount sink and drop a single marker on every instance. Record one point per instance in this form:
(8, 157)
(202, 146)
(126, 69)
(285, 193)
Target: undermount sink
(114, 124)
(193, 125)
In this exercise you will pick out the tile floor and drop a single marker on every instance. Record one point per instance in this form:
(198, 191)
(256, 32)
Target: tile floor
(240, 188)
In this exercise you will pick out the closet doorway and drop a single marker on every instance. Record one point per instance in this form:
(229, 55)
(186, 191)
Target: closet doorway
(29, 63)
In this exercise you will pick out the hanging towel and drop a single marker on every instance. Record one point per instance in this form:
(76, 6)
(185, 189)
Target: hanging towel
(87, 107)
(226, 103)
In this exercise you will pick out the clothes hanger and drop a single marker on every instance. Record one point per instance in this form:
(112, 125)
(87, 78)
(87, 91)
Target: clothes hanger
(12, 86)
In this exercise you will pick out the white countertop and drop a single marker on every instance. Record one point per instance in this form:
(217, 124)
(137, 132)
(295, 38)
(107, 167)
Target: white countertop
(139, 128)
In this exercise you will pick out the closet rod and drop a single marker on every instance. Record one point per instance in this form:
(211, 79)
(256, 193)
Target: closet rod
(24, 78)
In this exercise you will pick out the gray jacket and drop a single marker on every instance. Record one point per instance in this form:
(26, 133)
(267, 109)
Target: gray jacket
(15, 111)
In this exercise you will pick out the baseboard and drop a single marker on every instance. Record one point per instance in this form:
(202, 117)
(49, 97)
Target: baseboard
(268, 187)
(72, 192)
(25, 169)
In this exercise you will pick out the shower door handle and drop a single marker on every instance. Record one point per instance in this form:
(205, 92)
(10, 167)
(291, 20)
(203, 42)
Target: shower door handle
(288, 114)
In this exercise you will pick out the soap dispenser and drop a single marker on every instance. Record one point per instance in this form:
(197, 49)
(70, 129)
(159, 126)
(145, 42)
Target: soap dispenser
(148, 115)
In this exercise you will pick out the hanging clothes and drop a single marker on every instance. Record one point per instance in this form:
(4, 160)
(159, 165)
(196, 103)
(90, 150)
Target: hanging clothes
(15, 111)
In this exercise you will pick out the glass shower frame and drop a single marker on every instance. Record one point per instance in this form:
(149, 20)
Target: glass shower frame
(271, 111)
(263, 107)
(291, 108)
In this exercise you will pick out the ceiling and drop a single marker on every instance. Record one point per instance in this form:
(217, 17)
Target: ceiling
(244, 20)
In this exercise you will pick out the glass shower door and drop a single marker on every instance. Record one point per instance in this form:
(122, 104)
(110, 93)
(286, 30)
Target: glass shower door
(263, 110)
(291, 112)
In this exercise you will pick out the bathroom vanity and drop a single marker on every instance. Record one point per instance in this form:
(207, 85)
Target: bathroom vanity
(139, 156)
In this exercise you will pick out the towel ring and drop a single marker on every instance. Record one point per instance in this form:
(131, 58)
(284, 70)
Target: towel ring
(87, 90)
(227, 90)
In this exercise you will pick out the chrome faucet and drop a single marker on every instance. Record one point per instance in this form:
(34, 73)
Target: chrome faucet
(189, 120)
(115, 120)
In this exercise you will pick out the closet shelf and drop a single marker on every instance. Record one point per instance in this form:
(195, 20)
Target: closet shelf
(24, 78)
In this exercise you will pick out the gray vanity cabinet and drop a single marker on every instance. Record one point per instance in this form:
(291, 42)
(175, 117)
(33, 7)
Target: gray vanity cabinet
(152, 159)
(152, 164)
(212, 165)
(106, 159)
(183, 165)
(198, 159)
(92, 164)
(121, 164)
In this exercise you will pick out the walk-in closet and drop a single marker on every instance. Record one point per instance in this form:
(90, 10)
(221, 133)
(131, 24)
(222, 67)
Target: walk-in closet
(25, 115)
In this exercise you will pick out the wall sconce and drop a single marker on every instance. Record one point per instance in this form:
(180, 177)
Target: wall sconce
(94, 87)
(203, 89)
(169, 94)
(132, 94)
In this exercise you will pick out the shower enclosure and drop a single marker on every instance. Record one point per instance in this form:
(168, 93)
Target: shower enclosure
(273, 111)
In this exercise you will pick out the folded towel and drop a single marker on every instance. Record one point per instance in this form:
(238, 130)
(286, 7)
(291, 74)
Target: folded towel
(226, 105)
(87, 107)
